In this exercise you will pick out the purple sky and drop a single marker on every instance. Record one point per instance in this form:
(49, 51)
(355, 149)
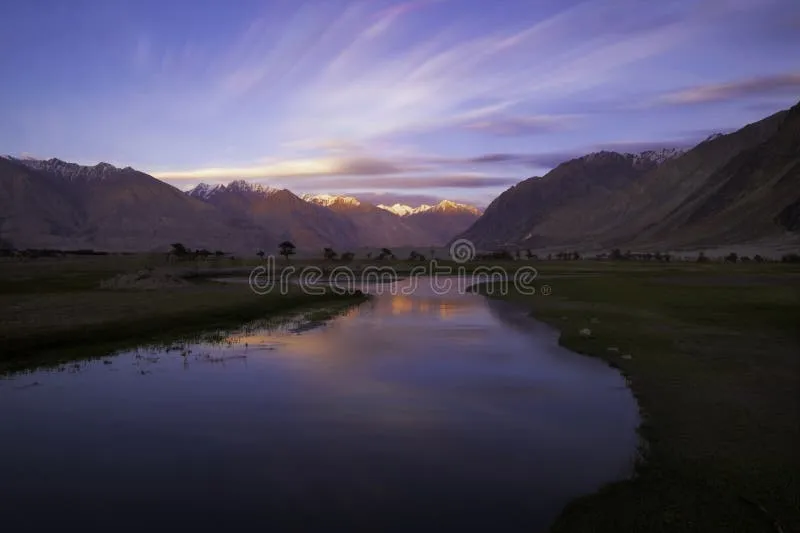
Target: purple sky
(427, 98)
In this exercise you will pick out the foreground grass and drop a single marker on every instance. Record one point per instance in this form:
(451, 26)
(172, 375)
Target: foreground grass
(713, 357)
(54, 311)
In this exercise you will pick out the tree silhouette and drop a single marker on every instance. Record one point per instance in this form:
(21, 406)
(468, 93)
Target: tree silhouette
(348, 256)
(701, 258)
(287, 249)
(731, 257)
(330, 254)
(260, 254)
(385, 252)
(179, 249)
(528, 254)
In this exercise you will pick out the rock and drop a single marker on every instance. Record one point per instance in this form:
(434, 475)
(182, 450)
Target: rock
(585, 333)
(626, 356)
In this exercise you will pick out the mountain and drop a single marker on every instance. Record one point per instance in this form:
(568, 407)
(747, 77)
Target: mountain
(56, 204)
(443, 220)
(280, 214)
(376, 226)
(729, 189)
(403, 210)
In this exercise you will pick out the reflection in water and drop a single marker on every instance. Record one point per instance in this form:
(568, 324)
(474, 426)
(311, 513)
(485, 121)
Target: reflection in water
(445, 412)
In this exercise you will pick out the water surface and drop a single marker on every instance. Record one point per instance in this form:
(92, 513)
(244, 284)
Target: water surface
(421, 412)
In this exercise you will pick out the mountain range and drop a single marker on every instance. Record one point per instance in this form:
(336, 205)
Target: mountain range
(738, 188)
(56, 204)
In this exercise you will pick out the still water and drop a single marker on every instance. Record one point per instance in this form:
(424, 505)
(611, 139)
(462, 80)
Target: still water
(419, 412)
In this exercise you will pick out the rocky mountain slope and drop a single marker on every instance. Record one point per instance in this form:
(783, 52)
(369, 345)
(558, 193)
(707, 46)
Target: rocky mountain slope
(443, 220)
(730, 188)
(375, 226)
(280, 214)
(56, 204)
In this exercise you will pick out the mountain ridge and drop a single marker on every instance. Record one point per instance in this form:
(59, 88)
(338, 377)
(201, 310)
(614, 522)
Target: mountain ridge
(606, 199)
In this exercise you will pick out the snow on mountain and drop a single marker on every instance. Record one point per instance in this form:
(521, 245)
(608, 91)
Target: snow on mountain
(405, 210)
(657, 156)
(328, 200)
(448, 206)
(445, 206)
(204, 191)
(73, 171)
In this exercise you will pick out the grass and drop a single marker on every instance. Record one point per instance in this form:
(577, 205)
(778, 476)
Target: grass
(713, 356)
(52, 311)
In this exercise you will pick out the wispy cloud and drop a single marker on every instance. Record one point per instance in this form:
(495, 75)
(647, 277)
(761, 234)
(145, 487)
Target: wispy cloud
(456, 181)
(781, 84)
(358, 166)
(519, 126)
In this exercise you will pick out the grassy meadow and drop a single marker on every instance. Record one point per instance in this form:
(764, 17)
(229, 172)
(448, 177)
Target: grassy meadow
(54, 309)
(712, 353)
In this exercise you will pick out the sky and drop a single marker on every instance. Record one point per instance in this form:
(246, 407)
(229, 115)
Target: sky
(410, 100)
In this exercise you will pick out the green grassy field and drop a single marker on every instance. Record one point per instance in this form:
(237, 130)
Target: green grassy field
(53, 310)
(712, 353)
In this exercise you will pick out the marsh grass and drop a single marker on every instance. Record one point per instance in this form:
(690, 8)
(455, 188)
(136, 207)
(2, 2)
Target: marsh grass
(713, 357)
(54, 311)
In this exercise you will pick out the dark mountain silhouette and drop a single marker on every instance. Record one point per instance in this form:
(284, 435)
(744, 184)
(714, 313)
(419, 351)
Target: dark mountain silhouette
(730, 189)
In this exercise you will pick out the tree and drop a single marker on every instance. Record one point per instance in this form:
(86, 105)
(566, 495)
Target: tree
(529, 254)
(385, 252)
(330, 254)
(287, 249)
(517, 255)
(369, 255)
(731, 257)
(219, 253)
(433, 253)
(348, 256)
(616, 254)
(260, 254)
(758, 258)
(576, 256)
(701, 258)
(179, 249)
(416, 256)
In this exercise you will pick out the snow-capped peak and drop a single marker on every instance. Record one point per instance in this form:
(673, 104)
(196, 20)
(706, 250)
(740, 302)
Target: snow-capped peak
(451, 206)
(73, 171)
(204, 191)
(656, 156)
(443, 206)
(247, 187)
(328, 200)
(646, 158)
(402, 209)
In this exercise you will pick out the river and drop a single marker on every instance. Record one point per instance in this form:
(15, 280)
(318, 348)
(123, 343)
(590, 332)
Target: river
(435, 412)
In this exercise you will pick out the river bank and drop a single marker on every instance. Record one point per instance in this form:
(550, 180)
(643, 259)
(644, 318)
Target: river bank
(711, 355)
(55, 312)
